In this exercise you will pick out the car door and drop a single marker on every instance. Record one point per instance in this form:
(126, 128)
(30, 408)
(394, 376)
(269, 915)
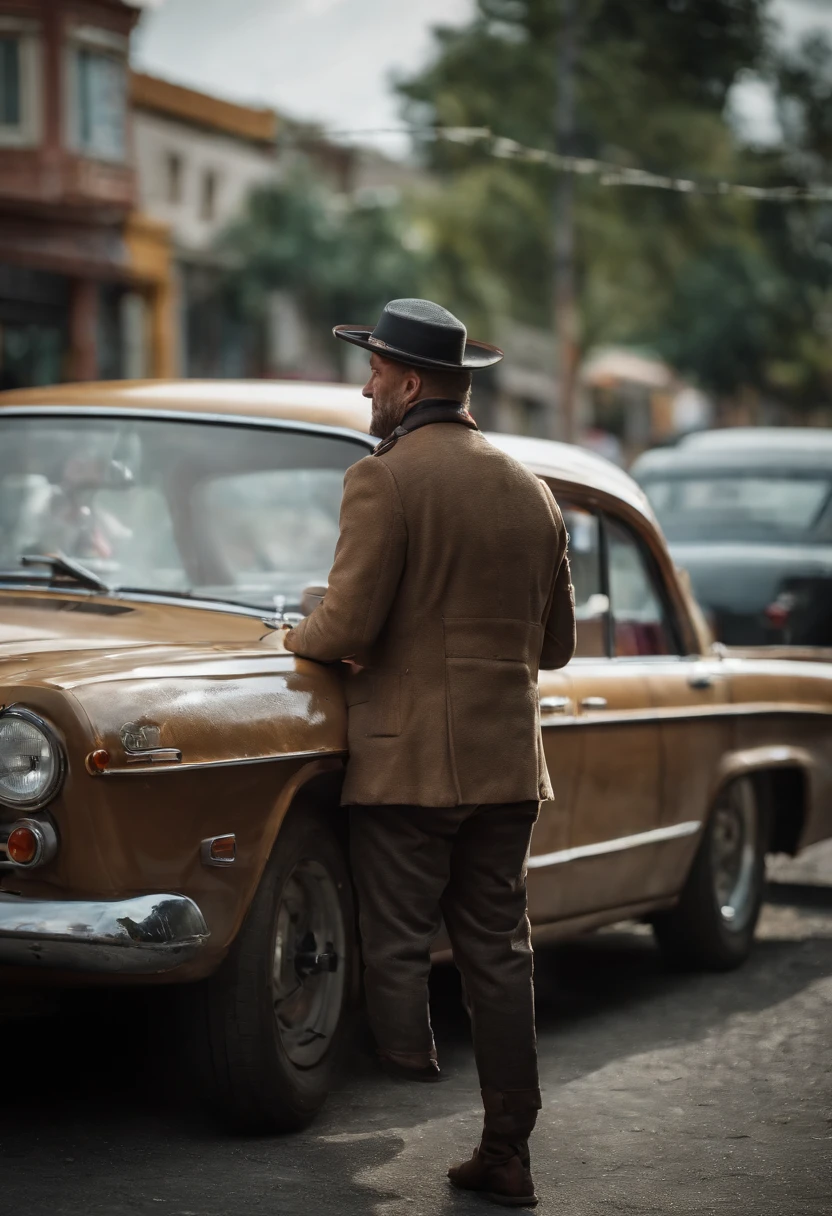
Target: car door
(617, 800)
(632, 734)
(690, 695)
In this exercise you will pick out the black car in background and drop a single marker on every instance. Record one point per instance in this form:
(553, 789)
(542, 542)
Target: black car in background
(748, 513)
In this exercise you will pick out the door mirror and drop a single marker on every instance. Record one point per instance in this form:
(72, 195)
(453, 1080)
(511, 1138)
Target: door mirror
(311, 598)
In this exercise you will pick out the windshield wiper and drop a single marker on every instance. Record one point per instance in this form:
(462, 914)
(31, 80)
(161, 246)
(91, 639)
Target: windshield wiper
(60, 564)
(169, 593)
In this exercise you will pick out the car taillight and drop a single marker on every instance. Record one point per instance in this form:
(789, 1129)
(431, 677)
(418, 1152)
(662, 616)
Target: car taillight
(779, 610)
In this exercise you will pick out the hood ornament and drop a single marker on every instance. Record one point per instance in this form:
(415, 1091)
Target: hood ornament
(142, 743)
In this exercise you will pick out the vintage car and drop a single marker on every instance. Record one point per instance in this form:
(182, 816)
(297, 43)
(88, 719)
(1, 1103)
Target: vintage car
(747, 511)
(170, 774)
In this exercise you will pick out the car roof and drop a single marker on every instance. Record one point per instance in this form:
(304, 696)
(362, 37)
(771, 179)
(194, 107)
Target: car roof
(335, 405)
(566, 462)
(741, 449)
(789, 438)
(339, 405)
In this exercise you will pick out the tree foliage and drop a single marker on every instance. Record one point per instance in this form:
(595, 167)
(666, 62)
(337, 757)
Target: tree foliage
(768, 297)
(341, 258)
(735, 293)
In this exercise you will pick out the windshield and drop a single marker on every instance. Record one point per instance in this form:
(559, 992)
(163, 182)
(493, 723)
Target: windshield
(738, 507)
(243, 514)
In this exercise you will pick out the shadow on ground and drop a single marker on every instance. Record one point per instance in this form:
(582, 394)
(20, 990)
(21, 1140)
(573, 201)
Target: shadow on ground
(96, 1115)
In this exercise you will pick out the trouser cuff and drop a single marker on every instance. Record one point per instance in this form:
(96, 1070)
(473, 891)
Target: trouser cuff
(410, 1059)
(510, 1101)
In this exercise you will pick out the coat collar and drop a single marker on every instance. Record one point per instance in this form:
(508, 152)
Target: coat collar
(423, 413)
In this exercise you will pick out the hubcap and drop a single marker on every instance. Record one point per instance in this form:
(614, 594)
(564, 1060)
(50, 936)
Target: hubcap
(734, 854)
(308, 974)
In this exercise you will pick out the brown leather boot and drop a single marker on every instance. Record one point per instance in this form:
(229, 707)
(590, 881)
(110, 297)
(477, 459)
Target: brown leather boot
(500, 1168)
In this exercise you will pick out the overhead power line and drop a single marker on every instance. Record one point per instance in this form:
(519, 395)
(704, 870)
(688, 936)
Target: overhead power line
(608, 173)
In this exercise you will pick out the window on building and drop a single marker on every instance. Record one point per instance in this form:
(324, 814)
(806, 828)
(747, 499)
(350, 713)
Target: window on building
(173, 177)
(10, 106)
(99, 103)
(19, 82)
(208, 209)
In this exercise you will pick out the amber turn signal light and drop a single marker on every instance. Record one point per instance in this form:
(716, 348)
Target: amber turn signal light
(32, 842)
(219, 850)
(223, 848)
(98, 761)
(23, 846)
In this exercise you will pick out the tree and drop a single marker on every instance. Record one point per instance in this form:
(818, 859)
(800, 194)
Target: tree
(736, 293)
(341, 258)
(652, 83)
(758, 314)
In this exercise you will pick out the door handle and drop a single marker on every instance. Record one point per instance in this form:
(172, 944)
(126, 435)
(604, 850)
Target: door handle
(594, 703)
(554, 705)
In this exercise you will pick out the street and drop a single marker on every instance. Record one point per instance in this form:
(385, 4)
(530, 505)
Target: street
(662, 1093)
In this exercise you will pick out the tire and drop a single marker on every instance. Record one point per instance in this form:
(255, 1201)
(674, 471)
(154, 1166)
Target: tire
(266, 1027)
(712, 926)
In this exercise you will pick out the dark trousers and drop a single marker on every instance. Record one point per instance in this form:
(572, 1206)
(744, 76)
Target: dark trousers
(413, 865)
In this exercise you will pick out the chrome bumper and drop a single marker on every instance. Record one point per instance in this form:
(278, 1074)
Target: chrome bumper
(140, 936)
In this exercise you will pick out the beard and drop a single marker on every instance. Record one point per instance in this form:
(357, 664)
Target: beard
(387, 413)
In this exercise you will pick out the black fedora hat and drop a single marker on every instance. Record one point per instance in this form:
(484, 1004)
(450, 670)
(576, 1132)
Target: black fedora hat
(421, 334)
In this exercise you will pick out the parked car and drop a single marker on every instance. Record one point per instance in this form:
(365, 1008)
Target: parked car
(748, 513)
(170, 774)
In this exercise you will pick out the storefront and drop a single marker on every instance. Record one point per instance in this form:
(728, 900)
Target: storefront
(84, 279)
(34, 324)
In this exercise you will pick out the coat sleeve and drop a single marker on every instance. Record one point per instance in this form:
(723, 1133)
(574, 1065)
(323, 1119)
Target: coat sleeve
(559, 626)
(369, 559)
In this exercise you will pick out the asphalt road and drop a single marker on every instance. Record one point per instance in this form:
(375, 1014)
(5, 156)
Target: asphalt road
(663, 1094)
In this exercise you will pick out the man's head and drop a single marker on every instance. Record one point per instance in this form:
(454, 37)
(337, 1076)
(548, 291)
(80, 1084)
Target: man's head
(395, 387)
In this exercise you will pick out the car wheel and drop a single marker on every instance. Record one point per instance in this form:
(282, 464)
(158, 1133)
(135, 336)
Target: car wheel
(713, 924)
(268, 1023)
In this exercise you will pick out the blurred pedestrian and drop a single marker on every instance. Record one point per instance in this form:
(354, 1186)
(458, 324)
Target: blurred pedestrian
(450, 588)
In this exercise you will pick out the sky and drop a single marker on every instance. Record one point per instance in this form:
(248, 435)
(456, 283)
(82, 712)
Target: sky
(319, 60)
(332, 60)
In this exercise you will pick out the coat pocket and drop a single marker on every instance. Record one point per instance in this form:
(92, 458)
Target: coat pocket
(493, 721)
(505, 638)
(492, 706)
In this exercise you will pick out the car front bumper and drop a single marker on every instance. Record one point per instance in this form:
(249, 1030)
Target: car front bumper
(144, 935)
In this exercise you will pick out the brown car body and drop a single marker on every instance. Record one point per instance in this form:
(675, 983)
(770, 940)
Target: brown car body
(638, 747)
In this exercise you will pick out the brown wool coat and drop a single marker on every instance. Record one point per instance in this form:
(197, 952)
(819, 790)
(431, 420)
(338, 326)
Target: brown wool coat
(451, 587)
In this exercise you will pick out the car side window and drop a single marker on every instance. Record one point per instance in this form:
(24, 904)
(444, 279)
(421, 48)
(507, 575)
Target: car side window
(640, 621)
(585, 560)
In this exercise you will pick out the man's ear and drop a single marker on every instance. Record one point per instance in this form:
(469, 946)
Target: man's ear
(412, 386)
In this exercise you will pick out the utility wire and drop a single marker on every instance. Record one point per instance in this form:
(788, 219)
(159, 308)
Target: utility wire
(607, 172)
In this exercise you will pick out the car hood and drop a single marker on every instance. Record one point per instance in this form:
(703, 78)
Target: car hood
(747, 577)
(64, 639)
(218, 686)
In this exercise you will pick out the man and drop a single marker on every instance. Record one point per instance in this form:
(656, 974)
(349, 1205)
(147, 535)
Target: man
(450, 588)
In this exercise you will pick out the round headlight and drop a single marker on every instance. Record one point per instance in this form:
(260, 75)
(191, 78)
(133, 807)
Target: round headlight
(31, 759)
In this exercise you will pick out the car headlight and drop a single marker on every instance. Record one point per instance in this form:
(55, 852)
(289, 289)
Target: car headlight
(31, 759)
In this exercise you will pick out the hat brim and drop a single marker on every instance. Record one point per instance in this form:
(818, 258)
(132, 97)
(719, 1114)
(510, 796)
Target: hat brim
(477, 354)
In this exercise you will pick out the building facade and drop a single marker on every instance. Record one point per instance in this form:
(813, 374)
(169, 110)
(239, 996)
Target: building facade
(115, 190)
(85, 285)
(198, 158)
